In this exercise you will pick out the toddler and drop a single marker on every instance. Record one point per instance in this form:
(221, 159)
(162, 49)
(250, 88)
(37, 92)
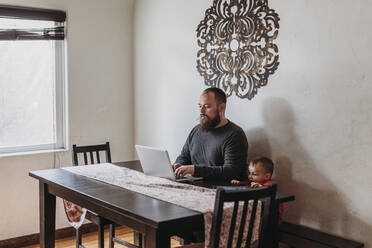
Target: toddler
(260, 171)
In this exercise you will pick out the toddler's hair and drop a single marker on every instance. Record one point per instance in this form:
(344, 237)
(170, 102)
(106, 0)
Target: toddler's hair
(266, 163)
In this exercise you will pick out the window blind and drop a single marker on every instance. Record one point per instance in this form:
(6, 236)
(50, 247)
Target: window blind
(47, 32)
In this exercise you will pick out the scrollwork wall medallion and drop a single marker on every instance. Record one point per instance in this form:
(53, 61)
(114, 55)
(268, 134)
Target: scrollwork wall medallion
(237, 52)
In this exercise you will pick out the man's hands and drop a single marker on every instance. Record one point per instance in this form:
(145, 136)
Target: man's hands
(181, 170)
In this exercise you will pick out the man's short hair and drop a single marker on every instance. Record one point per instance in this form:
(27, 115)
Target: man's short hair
(266, 163)
(219, 94)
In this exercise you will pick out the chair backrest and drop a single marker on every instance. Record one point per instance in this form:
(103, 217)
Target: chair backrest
(91, 150)
(266, 195)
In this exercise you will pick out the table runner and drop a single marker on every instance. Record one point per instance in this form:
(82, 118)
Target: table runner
(189, 196)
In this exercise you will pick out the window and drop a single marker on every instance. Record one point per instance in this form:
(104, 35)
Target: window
(32, 80)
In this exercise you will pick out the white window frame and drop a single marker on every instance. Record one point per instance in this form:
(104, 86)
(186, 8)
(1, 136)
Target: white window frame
(60, 111)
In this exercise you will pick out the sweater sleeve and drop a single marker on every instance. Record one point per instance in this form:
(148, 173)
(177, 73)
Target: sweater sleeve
(235, 156)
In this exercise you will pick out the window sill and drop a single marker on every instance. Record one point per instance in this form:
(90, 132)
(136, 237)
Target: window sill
(13, 154)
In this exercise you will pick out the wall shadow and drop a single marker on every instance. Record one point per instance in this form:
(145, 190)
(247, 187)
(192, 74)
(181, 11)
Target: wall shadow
(319, 203)
(258, 143)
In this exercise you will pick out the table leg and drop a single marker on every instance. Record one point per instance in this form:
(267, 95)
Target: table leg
(47, 217)
(155, 239)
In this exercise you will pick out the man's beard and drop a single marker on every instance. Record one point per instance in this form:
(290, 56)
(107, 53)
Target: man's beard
(207, 124)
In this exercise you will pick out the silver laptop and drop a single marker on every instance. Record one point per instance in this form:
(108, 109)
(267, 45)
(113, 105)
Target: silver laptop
(156, 162)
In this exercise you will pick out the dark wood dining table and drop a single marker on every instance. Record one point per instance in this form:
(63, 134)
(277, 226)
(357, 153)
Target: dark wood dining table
(157, 220)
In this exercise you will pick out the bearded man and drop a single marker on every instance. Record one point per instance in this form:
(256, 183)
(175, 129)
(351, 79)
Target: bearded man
(215, 149)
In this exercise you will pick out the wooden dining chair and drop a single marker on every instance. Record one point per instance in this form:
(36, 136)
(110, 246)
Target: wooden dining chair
(267, 197)
(93, 152)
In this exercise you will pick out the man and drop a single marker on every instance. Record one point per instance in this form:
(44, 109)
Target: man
(215, 149)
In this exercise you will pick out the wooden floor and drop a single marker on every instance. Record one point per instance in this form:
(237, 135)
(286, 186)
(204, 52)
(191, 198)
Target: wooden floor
(90, 239)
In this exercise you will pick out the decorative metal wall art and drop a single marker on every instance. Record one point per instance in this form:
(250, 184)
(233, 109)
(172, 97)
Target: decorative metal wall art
(236, 46)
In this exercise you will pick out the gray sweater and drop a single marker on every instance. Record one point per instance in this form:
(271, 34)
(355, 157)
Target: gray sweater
(219, 154)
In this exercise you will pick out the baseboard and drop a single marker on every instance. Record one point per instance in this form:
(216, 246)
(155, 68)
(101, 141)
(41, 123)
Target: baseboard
(33, 239)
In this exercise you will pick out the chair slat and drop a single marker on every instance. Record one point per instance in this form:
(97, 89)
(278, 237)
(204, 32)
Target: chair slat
(98, 160)
(251, 224)
(242, 223)
(232, 224)
(217, 218)
(91, 158)
(85, 158)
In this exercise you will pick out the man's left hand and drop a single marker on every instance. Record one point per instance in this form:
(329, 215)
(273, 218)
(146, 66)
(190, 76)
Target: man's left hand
(184, 170)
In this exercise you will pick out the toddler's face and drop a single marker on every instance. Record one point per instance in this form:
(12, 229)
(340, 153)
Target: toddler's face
(257, 174)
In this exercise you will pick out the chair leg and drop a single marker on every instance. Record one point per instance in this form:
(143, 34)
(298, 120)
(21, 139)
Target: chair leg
(111, 235)
(78, 237)
(101, 236)
(137, 237)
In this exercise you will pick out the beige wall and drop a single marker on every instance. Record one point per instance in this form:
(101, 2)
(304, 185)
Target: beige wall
(313, 118)
(100, 103)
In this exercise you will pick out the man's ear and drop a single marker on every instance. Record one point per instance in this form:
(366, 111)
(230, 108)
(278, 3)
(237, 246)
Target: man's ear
(222, 107)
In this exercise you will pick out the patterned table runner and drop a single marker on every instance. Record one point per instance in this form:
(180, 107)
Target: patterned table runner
(189, 196)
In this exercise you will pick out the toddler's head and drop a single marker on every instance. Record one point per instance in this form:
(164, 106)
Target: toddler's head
(260, 169)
